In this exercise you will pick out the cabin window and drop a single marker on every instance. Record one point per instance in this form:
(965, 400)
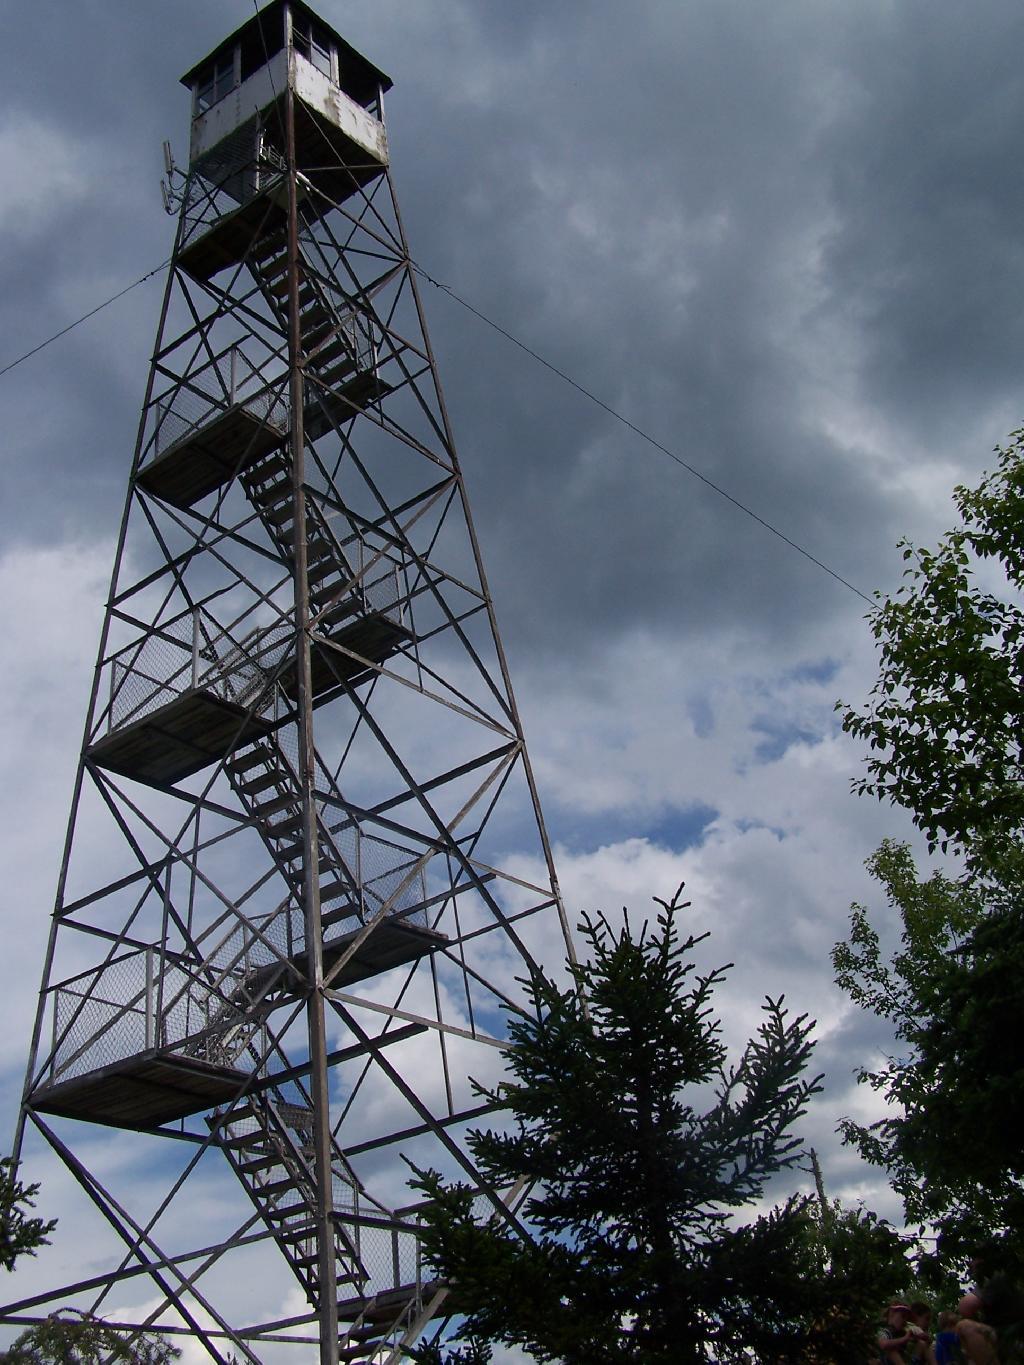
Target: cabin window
(215, 82)
(258, 44)
(310, 41)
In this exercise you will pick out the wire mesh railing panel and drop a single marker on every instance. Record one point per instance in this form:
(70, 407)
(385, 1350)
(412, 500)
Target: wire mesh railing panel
(144, 1001)
(186, 413)
(381, 591)
(151, 672)
(193, 652)
(99, 1020)
(389, 1256)
(389, 874)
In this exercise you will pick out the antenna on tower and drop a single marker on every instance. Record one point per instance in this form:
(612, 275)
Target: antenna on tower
(171, 196)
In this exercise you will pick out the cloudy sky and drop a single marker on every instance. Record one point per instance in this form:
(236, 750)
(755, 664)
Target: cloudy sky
(785, 241)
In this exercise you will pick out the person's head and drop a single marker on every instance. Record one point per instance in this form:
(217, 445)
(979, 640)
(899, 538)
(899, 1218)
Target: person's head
(921, 1313)
(969, 1306)
(896, 1314)
(948, 1320)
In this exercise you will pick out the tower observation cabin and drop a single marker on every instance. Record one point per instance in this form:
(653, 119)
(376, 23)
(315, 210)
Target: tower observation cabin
(237, 147)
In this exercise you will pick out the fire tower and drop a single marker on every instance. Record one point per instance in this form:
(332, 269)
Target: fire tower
(305, 863)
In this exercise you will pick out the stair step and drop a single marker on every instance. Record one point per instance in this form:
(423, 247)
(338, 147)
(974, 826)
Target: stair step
(334, 917)
(320, 550)
(333, 374)
(275, 463)
(266, 246)
(248, 758)
(292, 1211)
(280, 829)
(363, 1332)
(279, 284)
(246, 1109)
(254, 1142)
(327, 592)
(339, 344)
(266, 809)
(273, 273)
(259, 784)
(347, 1355)
(316, 324)
(319, 572)
(279, 514)
(334, 608)
(271, 493)
(260, 1163)
(288, 1182)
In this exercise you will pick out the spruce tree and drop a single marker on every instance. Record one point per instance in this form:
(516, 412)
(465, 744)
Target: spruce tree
(634, 1146)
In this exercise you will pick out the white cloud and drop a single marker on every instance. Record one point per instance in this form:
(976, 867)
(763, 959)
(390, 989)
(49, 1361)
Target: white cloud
(50, 612)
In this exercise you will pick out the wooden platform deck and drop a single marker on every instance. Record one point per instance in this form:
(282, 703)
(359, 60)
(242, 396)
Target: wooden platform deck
(178, 739)
(143, 1091)
(323, 411)
(383, 1308)
(375, 637)
(229, 237)
(197, 728)
(210, 456)
(392, 943)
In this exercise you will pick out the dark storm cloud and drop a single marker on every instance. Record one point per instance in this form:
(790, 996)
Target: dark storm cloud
(927, 256)
(638, 205)
(683, 207)
(90, 91)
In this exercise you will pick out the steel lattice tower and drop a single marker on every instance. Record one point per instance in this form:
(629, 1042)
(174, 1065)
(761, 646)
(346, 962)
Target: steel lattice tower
(288, 925)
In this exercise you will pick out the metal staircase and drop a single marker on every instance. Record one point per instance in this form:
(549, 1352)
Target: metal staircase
(266, 785)
(268, 1141)
(341, 354)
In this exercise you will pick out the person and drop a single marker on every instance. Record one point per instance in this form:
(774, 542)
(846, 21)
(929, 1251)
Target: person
(893, 1338)
(919, 1325)
(977, 1339)
(947, 1343)
(1002, 1300)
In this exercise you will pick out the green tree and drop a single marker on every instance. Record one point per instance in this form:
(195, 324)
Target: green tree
(75, 1338)
(945, 729)
(951, 993)
(945, 724)
(640, 1146)
(859, 1263)
(21, 1232)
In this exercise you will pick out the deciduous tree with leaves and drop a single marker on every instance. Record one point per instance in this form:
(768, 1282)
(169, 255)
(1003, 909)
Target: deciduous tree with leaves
(945, 730)
(639, 1147)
